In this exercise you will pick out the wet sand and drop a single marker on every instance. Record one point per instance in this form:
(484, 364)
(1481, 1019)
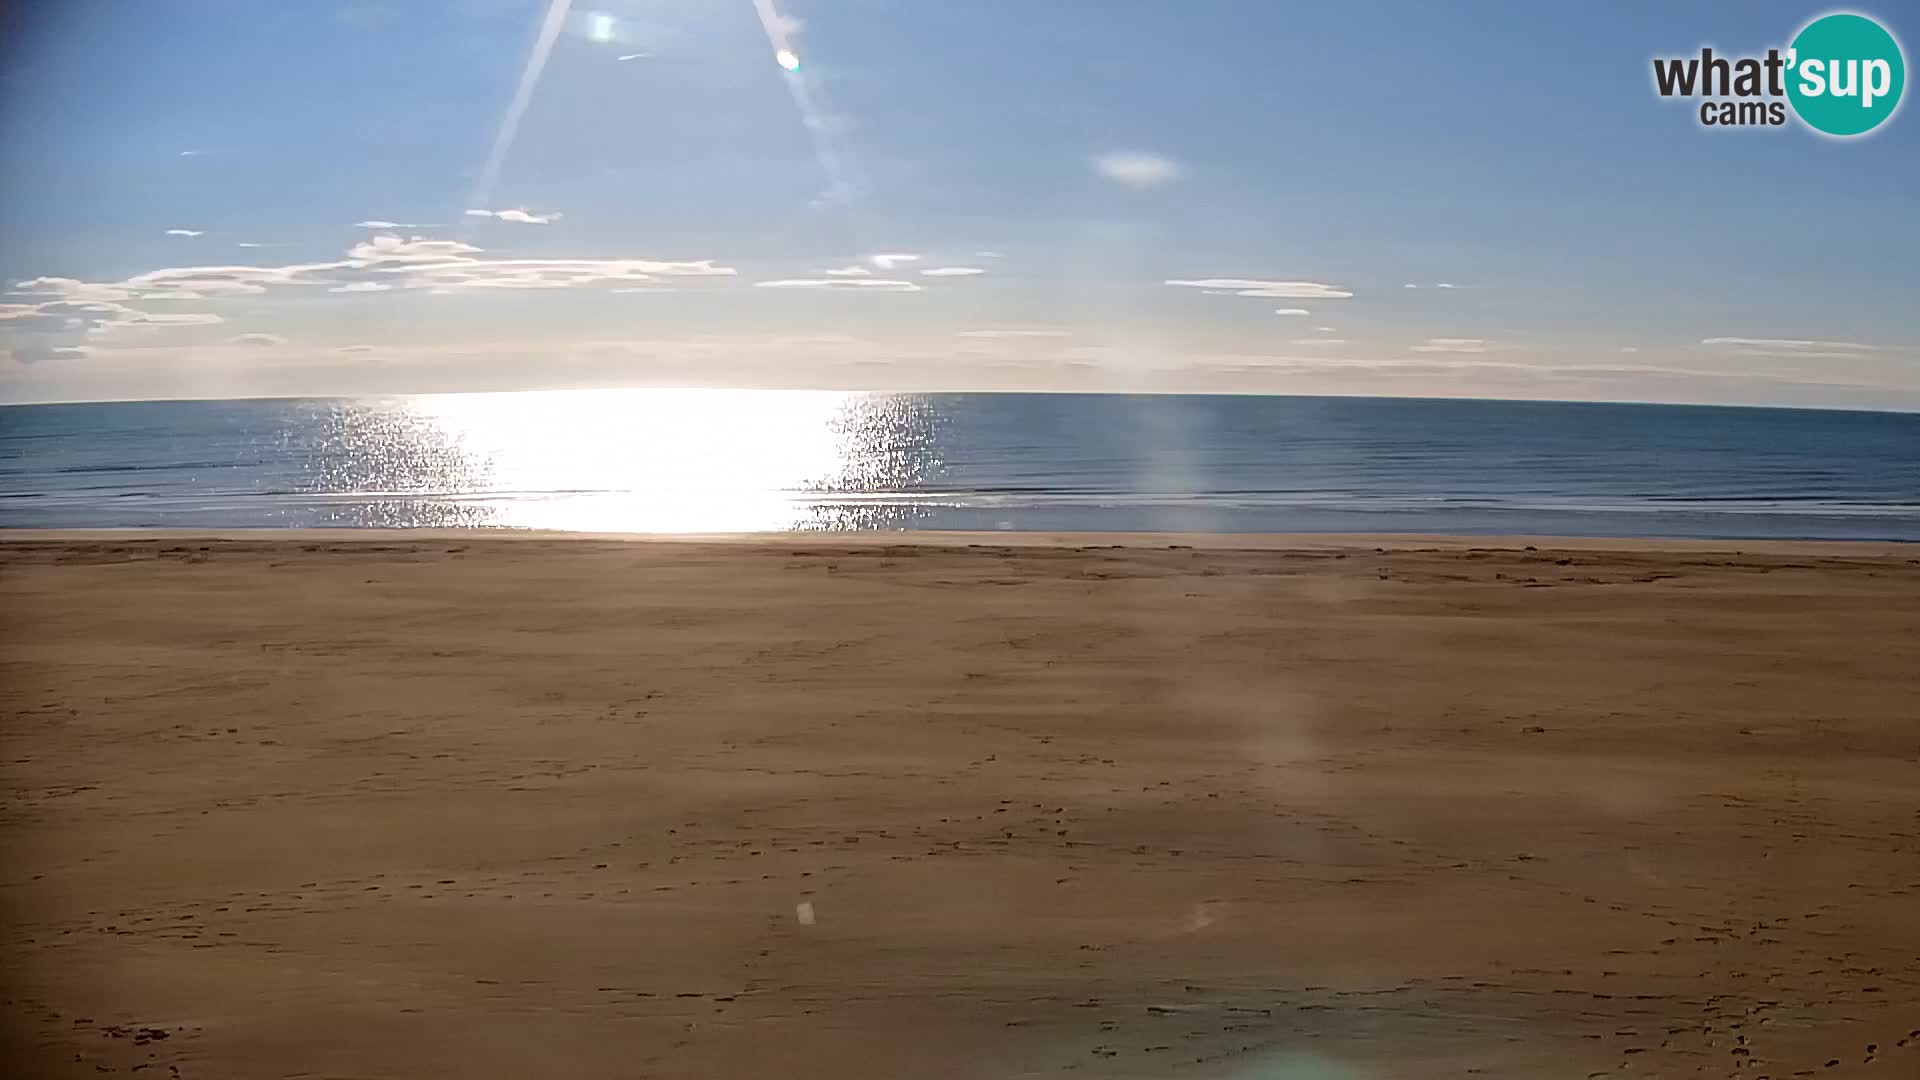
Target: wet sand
(450, 805)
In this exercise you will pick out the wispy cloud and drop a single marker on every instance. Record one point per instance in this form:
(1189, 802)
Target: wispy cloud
(848, 271)
(65, 288)
(1012, 333)
(1435, 285)
(1319, 341)
(548, 273)
(213, 280)
(41, 352)
(1279, 290)
(376, 264)
(443, 265)
(842, 284)
(890, 260)
(1137, 169)
(627, 57)
(68, 317)
(256, 339)
(186, 232)
(65, 313)
(376, 223)
(1790, 346)
(951, 271)
(988, 255)
(188, 318)
(1452, 345)
(1289, 310)
(517, 215)
(395, 249)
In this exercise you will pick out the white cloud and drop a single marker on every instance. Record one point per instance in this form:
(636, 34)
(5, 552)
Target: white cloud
(639, 289)
(549, 273)
(88, 315)
(625, 57)
(1326, 329)
(848, 271)
(67, 311)
(256, 339)
(522, 217)
(1452, 345)
(1320, 341)
(378, 224)
(517, 215)
(1279, 290)
(891, 260)
(70, 289)
(1286, 310)
(443, 265)
(951, 271)
(1445, 285)
(214, 280)
(843, 284)
(248, 244)
(1791, 346)
(1136, 169)
(1013, 333)
(988, 255)
(185, 232)
(387, 248)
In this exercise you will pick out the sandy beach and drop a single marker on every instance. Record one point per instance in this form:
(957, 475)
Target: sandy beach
(465, 805)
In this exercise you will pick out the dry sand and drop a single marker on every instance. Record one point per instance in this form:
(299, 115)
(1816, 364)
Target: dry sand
(459, 806)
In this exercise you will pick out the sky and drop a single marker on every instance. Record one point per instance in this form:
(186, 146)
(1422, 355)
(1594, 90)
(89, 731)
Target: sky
(227, 198)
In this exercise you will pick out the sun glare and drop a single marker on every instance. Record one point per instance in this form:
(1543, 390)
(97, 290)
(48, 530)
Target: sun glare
(670, 461)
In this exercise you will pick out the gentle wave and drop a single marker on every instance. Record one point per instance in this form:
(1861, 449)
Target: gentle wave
(745, 461)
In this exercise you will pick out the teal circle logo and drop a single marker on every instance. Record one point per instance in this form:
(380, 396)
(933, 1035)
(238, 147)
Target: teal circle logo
(1844, 74)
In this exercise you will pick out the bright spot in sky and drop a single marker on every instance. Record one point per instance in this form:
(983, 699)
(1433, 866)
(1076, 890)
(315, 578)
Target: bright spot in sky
(786, 59)
(600, 27)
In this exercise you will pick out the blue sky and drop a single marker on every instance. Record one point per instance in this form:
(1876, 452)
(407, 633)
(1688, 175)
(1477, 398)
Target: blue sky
(183, 189)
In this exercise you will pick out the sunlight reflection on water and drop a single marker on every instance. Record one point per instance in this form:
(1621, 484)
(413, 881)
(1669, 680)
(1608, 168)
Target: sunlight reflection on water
(670, 461)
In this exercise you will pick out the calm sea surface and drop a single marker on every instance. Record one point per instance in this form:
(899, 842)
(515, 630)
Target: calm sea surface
(719, 461)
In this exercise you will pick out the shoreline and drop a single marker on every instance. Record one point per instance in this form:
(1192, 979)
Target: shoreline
(949, 539)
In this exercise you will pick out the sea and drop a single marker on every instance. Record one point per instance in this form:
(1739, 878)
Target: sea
(714, 461)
